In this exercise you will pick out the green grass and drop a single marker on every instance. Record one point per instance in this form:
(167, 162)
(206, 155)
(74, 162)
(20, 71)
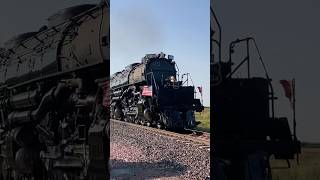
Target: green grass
(204, 119)
(308, 169)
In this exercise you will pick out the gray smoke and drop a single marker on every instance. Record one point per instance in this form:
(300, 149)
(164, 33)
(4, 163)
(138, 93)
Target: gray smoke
(139, 27)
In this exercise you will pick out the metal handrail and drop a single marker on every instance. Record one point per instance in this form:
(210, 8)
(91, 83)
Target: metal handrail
(247, 59)
(219, 42)
(153, 80)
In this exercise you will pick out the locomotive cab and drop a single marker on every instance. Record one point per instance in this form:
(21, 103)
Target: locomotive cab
(244, 122)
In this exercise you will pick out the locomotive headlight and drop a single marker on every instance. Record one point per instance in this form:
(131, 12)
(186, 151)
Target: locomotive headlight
(172, 79)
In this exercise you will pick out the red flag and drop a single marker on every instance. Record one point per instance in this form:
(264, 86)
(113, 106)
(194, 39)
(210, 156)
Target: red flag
(200, 89)
(147, 91)
(288, 89)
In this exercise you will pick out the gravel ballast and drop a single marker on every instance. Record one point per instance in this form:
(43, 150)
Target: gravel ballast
(140, 154)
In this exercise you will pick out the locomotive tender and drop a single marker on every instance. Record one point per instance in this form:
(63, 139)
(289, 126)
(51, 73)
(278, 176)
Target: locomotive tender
(149, 93)
(54, 98)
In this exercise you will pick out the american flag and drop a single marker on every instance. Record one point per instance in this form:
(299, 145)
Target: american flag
(289, 88)
(200, 89)
(147, 91)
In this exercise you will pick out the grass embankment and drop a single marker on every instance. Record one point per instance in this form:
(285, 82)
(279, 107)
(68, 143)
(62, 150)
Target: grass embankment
(308, 168)
(204, 119)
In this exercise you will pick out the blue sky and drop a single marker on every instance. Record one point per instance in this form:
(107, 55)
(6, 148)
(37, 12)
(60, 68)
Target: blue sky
(176, 27)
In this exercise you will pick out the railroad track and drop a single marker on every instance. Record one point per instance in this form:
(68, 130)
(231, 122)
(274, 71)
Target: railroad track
(188, 136)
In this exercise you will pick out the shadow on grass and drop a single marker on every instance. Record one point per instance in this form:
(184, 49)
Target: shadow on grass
(202, 129)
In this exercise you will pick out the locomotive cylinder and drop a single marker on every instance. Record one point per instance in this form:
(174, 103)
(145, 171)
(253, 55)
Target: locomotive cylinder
(19, 117)
(49, 100)
(24, 100)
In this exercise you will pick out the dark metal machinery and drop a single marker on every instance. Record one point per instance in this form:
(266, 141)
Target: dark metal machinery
(246, 132)
(151, 93)
(54, 98)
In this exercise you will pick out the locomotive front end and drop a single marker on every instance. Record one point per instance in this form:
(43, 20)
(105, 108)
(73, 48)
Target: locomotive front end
(151, 93)
(174, 101)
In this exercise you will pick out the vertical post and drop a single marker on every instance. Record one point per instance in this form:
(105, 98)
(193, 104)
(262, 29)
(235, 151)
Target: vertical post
(219, 29)
(2, 118)
(294, 108)
(187, 79)
(248, 58)
(201, 96)
(294, 116)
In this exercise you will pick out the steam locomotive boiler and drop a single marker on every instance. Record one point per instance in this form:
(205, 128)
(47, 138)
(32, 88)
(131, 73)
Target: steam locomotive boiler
(149, 93)
(54, 107)
(246, 131)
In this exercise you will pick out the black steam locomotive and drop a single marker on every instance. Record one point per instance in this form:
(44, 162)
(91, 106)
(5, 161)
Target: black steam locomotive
(149, 93)
(54, 98)
(246, 132)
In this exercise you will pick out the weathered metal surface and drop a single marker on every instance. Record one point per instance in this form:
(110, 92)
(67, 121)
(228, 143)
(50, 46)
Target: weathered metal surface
(82, 39)
(54, 98)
